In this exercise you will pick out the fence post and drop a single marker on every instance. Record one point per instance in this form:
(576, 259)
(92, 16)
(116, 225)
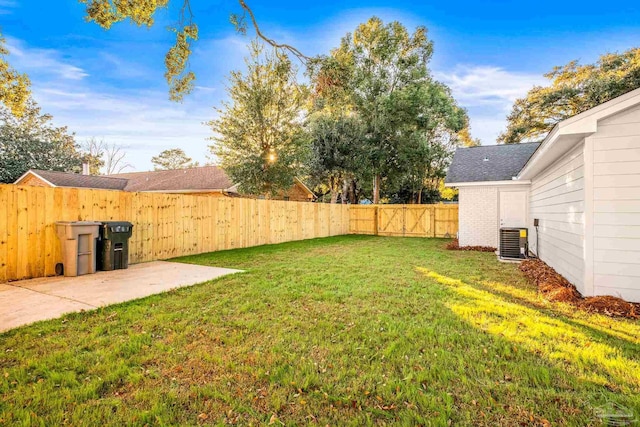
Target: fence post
(375, 220)
(404, 220)
(433, 221)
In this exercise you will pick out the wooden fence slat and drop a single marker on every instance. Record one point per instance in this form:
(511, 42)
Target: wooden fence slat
(4, 228)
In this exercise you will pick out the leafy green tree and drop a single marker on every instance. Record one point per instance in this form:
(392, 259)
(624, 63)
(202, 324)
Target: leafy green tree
(465, 138)
(380, 72)
(574, 88)
(32, 142)
(174, 158)
(336, 153)
(14, 87)
(258, 135)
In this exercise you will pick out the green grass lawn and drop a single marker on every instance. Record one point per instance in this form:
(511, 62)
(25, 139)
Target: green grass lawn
(347, 330)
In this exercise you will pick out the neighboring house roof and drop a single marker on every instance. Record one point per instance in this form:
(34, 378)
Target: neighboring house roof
(489, 162)
(204, 178)
(304, 186)
(66, 179)
(192, 180)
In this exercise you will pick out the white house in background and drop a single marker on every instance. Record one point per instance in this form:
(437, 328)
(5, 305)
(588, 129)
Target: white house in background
(582, 183)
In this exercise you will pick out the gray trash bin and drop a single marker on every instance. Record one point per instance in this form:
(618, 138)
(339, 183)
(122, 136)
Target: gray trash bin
(78, 239)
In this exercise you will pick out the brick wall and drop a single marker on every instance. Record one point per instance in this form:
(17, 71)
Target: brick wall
(478, 216)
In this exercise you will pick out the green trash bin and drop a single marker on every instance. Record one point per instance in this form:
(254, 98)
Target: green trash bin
(113, 245)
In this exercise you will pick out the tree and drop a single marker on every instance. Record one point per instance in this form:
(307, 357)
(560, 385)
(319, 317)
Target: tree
(336, 153)
(466, 139)
(380, 72)
(574, 88)
(174, 158)
(93, 152)
(259, 138)
(114, 159)
(103, 157)
(32, 142)
(14, 87)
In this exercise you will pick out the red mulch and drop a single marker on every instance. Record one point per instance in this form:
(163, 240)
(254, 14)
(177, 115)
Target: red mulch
(454, 245)
(554, 287)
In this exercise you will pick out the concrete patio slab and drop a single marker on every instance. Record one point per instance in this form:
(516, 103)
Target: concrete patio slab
(28, 301)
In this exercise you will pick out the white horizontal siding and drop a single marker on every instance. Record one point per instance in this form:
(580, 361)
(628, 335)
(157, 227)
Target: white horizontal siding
(633, 231)
(615, 143)
(615, 181)
(619, 286)
(617, 156)
(626, 168)
(617, 206)
(621, 193)
(618, 219)
(618, 130)
(557, 200)
(612, 255)
(616, 202)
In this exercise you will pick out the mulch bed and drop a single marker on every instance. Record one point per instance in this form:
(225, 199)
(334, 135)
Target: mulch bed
(454, 245)
(554, 287)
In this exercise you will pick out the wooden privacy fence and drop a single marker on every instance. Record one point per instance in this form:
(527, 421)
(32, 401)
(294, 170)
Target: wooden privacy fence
(165, 225)
(404, 220)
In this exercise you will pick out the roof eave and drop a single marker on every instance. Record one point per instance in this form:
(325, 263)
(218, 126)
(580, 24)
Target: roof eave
(311, 193)
(210, 190)
(487, 183)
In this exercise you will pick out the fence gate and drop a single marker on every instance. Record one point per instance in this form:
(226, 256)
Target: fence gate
(391, 220)
(405, 220)
(419, 221)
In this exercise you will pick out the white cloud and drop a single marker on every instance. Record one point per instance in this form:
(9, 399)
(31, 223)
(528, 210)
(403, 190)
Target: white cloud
(142, 120)
(487, 85)
(42, 61)
(142, 123)
(488, 92)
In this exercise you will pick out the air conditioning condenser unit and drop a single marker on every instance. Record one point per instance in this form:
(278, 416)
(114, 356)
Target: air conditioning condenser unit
(514, 243)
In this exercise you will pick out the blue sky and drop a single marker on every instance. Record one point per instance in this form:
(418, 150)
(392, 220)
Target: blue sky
(110, 85)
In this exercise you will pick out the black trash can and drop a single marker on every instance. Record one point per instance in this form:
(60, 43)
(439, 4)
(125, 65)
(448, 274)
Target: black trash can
(113, 245)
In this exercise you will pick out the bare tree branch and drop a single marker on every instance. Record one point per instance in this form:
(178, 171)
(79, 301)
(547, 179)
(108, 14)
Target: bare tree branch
(114, 160)
(282, 46)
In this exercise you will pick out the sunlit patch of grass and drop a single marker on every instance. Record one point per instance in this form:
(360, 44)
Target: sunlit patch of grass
(338, 331)
(555, 339)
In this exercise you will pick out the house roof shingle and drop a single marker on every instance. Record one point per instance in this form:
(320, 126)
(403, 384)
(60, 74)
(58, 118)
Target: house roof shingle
(489, 162)
(65, 179)
(198, 178)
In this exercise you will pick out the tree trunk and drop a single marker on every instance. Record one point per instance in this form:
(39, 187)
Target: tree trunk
(353, 197)
(376, 189)
(334, 196)
(345, 191)
(420, 197)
